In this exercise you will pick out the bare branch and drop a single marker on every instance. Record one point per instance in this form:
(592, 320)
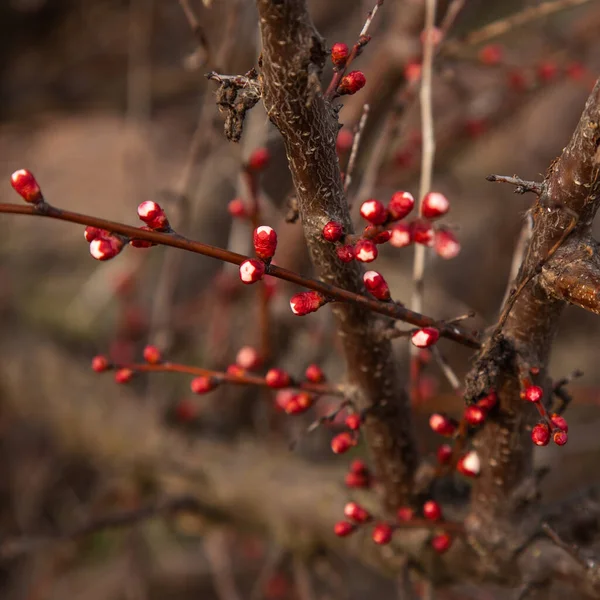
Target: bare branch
(522, 185)
(292, 59)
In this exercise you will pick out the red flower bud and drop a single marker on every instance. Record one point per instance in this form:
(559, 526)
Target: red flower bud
(186, 411)
(277, 378)
(359, 467)
(434, 205)
(560, 438)
(93, 233)
(105, 248)
(532, 393)
(265, 242)
(377, 285)
(153, 215)
(152, 355)
(412, 71)
(435, 35)
(575, 71)
(357, 480)
(547, 71)
(382, 534)
(123, 375)
(402, 235)
(445, 243)
(444, 454)
(374, 212)
(259, 160)
(356, 512)
(441, 542)
(235, 371)
(488, 402)
(540, 434)
(237, 208)
(422, 232)
(343, 528)
(400, 205)
(491, 54)
(25, 184)
(345, 253)
(365, 251)
(353, 421)
(333, 231)
(469, 464)
(342, 443)
(373, 232)
(474, 415)
(252, 270)
(100, 364)
(352, 82)
(314, 374)
(442, 424)
(248, 358)
(298, 403)
(432, 510)
(344, 141)
(517, 80)
(560, 422)
(203, 384)
(136, 243)
(423, 338)
(306, 302)
(339, 54)
(405, 513)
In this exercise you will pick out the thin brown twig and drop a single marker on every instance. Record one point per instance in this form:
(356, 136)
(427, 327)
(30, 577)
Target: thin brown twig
(428, 154)
(522, 186)
(223, 377)
(502, 26)
(356, 49)
(388, 309)
(196, 28)
(24, 545)
(573, 550)
(221, 568)
(354, 152)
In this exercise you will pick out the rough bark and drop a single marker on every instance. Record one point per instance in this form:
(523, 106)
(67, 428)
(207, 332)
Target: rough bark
(560, 266)
(292, 59)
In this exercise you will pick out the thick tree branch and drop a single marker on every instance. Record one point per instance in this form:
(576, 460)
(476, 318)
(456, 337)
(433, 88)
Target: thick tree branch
(562, 218)
(292, 59)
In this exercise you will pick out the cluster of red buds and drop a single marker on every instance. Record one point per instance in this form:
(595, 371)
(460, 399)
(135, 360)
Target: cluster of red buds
(265, 243)
(357, 516)
(552, 426)
(385, 225)
(103, 244)
(474, 415)
(359, 475)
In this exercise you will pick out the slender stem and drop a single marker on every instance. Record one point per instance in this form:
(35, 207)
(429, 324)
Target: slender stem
(246, 379)
(362, 40)
(389, 309)
(502, 26)
(354, 153)
(428, 153)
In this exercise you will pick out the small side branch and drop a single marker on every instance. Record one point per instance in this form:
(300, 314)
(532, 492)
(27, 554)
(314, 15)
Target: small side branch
(522, 186)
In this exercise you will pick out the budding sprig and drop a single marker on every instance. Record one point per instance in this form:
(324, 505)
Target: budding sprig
(552, 426)
(453, 456)
(357, 516)
(385, 226)
(207, 380)
(156, 237)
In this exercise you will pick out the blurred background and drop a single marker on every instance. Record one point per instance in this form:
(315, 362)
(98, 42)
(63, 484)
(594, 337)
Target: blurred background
(107, 103)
